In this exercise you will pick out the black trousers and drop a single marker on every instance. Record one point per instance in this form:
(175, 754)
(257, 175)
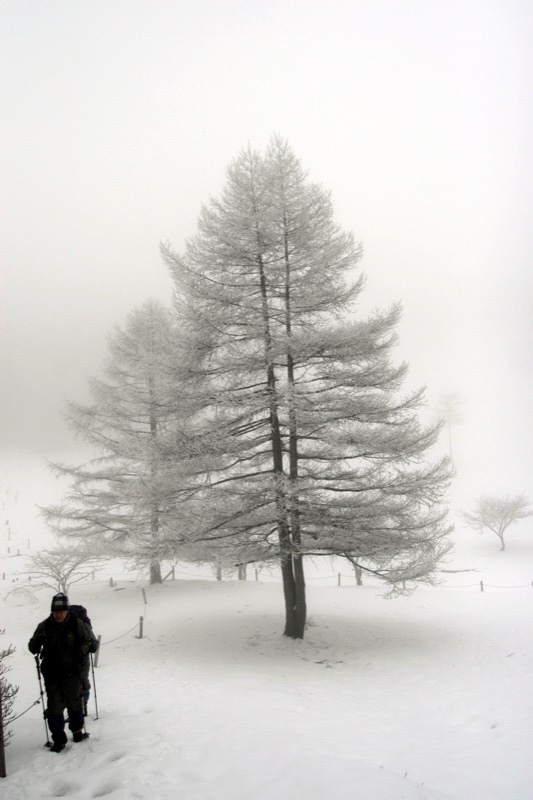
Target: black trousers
(64, 694)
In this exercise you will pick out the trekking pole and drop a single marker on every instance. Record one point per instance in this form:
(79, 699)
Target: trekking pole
(48, 742)
(94, 687)
(84, 709)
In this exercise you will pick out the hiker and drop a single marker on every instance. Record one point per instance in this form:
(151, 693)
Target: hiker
(63, 641)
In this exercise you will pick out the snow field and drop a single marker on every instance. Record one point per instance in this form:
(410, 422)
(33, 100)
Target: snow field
(427, 696)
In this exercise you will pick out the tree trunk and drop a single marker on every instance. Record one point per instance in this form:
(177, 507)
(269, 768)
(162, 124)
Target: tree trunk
(300, 606)
(293, 586)
(155, 565)
(289, 594)
(299, 610)
(294, 593)
(155, 572)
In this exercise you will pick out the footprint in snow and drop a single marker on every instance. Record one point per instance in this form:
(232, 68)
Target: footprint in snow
(116, 756)
(105, 789)
(63, 789)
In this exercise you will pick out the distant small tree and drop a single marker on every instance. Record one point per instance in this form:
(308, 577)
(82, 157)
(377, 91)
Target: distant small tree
(60, 567)
(8, 693)
(496, 514)
(449, 408)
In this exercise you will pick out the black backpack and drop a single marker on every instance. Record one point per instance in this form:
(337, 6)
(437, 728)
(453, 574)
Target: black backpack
(81, 613)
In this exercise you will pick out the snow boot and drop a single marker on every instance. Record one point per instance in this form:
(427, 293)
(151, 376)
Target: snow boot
(60, 740)
(79, 736)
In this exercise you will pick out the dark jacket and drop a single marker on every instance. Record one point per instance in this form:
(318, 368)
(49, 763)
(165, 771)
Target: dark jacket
(62, 645)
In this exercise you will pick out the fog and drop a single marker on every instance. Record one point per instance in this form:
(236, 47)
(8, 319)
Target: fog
(121, 116)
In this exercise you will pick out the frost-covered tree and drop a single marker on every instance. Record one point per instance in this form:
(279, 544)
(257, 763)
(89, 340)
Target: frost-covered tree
(310, 446)
(60, 567)
(449, 409)
(119, 498)
(8, 692)
(496, 514)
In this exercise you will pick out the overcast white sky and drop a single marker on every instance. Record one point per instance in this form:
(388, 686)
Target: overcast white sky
(120, 116)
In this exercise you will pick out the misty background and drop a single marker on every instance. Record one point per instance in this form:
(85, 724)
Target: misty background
(120, 117)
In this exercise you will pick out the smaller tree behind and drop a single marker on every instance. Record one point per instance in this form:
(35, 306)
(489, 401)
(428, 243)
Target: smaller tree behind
(496, 514)
(119, 500)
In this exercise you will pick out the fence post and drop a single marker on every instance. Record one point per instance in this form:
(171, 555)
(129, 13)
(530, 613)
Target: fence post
(141, 620)
(257, 575)
(481, 584)
(339, 579)
(145, 601)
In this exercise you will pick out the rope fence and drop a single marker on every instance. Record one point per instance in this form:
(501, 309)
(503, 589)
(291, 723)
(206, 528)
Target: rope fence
(36, 703)
(139, 626)
(342, 578)
(481, 585)
(122, 635)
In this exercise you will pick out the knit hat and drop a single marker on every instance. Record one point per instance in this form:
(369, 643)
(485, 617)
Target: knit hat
(60, 602)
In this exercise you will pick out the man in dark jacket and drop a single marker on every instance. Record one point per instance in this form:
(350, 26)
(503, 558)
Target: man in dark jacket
(63, 641)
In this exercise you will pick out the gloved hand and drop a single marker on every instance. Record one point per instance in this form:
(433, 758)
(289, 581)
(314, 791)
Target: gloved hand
(93, 647)
(37, 642)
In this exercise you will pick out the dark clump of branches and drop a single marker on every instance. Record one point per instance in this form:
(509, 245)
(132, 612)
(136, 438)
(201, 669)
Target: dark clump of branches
(8, 692)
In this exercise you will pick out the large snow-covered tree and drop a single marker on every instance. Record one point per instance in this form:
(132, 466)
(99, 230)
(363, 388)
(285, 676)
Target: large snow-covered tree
(121, 496)
(309, 444)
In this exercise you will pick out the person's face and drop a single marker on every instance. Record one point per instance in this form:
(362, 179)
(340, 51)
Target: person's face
(59, 616)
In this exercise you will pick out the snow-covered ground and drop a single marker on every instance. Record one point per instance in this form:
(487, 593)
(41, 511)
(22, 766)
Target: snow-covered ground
(427, 696)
